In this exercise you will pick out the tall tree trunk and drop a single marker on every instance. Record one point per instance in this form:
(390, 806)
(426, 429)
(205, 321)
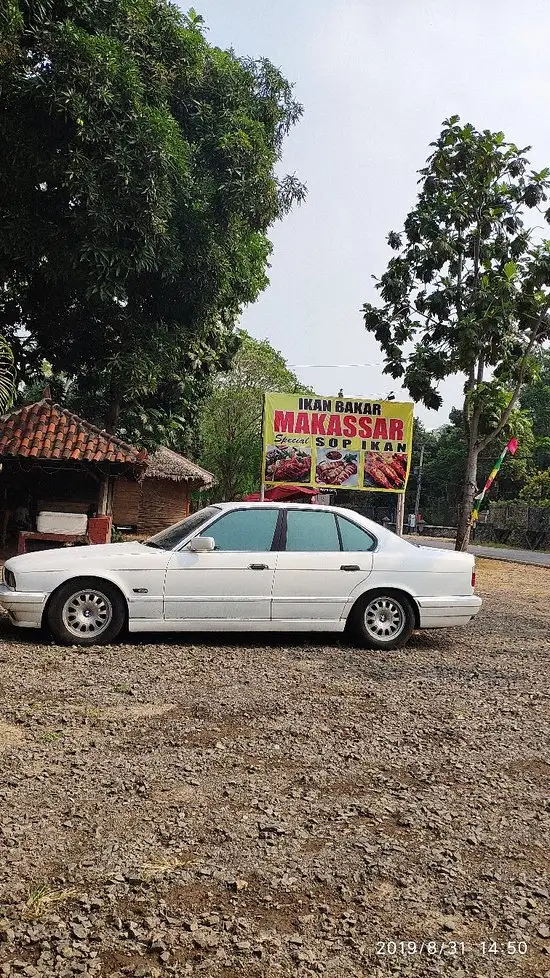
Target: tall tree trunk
(467, 499)
(113, 414)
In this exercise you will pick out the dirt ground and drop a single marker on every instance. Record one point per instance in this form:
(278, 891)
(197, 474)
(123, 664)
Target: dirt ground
(281, 806)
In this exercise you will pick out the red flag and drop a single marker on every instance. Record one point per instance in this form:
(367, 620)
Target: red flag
(512, 446)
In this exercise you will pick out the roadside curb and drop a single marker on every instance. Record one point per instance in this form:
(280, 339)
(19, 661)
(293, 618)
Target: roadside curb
(534, 559)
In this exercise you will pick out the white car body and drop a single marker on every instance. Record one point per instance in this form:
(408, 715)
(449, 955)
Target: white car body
(178, 589)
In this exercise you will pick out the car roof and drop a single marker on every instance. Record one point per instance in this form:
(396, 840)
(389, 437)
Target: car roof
(370, 524)
(273, 504)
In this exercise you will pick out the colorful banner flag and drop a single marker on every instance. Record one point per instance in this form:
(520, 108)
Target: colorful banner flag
(337, 443)
(511, 448)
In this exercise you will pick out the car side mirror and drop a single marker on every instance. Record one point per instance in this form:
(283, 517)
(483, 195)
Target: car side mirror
(202, 545)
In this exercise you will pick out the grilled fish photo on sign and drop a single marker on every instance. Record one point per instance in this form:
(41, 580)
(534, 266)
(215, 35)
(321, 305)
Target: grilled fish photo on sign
(285, 463)
(385, 470)
(335, 468)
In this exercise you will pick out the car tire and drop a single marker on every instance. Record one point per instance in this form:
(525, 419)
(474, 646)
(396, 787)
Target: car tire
(86, 611)
(383, 620)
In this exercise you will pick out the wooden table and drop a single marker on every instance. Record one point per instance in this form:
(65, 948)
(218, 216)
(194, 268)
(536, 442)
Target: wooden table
(63, 538)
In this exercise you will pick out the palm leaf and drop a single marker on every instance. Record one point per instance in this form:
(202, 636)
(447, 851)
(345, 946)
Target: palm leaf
(7, 376)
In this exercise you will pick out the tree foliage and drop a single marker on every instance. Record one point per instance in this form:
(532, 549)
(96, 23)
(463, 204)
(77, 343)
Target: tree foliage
(138, 187)
(230, 425)
(537, 488)
(467, 291)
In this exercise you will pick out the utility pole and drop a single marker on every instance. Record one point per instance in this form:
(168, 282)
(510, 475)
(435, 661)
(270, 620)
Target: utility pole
(400, 514)
(419, 483)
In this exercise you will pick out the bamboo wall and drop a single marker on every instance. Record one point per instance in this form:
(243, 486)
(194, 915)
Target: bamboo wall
(151, 505)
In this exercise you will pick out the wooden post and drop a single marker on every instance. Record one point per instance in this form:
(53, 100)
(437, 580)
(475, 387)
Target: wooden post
(400, 516)
(103, 500)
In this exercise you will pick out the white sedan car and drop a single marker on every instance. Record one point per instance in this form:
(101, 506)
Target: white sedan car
(245, 567)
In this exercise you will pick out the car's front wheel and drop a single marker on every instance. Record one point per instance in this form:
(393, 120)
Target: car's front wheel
(383, 619)
(86, 612)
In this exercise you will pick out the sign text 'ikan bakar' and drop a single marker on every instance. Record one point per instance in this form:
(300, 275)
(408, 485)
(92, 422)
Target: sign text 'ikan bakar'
(332, 442)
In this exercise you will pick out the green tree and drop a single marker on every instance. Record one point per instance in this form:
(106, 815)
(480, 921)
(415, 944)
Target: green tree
(445, 460)
(535, 399)
(230, 424)
(467, 290)
(138, 187)
(7, 376)
(428, 440)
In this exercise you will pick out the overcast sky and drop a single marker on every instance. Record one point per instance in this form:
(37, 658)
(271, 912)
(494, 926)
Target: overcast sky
(376, 78)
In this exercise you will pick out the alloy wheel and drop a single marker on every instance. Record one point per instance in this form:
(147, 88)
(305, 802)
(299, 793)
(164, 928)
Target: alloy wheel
(384, 618)
(87, 612)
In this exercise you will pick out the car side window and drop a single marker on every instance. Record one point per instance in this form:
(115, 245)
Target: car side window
(245, 529)
(311, 530)
(354, 538)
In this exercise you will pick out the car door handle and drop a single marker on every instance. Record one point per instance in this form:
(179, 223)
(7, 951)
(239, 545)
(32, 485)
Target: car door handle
(258, 567)
(350, 567)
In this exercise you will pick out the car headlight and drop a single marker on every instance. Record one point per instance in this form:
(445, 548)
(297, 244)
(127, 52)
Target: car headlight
(9, 578)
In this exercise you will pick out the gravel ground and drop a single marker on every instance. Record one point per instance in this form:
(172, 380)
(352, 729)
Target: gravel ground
(281, 806)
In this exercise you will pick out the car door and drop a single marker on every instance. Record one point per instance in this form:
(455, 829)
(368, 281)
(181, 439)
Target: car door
(233, 582)
(324, 557)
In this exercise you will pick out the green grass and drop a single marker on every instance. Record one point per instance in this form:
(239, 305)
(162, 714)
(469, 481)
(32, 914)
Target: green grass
(43, 897)
(506, 546)
(51, 736)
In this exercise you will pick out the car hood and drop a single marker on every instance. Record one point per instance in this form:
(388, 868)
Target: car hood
(63, 557)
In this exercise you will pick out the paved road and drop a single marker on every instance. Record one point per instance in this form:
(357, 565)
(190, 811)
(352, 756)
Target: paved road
(496, 553)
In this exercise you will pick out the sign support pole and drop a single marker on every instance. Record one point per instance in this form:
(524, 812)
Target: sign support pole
(262, 461)
(400, 516)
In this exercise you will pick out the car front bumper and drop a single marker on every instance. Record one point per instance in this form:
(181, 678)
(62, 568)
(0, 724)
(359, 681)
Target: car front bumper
(454, 610)
(24, 608)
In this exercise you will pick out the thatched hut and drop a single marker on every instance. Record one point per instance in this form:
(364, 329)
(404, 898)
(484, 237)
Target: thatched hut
(161, 496)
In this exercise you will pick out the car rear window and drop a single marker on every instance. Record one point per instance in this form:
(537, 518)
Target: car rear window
(354, 538)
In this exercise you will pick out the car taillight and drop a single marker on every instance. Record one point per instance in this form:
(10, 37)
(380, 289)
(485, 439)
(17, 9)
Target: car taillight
(473, 577)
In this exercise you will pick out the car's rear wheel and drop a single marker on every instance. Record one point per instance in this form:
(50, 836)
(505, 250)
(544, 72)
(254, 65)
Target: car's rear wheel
(86, 612)
(383, 619)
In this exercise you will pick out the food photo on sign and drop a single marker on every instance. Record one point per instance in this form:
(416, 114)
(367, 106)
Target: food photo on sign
(384, 470)
(336, 468)
(284, 463)
(333, 442)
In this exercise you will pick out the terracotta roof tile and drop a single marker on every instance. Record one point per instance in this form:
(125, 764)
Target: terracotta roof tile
(46, 430)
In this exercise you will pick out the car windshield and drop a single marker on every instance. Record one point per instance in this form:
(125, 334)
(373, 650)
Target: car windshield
(168, 539)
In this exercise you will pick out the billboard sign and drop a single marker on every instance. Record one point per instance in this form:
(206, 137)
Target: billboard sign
(337, 443)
